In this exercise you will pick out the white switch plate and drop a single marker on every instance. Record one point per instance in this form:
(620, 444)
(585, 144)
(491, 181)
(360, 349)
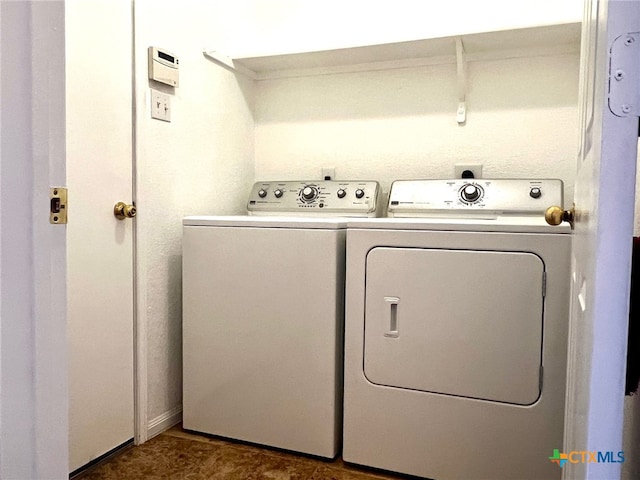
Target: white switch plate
(328, 172)
(160, 106)
(476, 168)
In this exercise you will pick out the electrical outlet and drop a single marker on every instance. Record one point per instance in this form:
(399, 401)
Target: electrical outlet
(475, 168)
(328, 173)
(160, 106)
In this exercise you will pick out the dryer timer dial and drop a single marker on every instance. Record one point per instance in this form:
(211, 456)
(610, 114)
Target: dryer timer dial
(471, 193)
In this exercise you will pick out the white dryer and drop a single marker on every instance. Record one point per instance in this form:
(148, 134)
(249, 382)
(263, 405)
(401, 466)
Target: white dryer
(456, 331)
(263, 315)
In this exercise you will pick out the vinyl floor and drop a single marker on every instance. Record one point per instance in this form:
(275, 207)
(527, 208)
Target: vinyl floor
(181, 455)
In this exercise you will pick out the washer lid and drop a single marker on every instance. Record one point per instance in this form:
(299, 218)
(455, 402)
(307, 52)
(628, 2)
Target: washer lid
(467, 323)
(265, 222)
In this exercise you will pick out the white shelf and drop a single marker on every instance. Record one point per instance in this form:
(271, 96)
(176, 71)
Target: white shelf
(544, 40)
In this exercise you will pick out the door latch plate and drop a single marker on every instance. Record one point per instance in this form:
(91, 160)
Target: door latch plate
(58, 205)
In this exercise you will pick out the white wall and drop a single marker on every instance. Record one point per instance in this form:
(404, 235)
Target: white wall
(200, 163)
(392, 124)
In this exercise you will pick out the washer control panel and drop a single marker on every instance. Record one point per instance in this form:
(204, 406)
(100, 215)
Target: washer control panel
(323, 198)
(417, 198)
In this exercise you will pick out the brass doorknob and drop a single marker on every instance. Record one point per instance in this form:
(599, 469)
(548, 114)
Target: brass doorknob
(121, 211)
(556, 215)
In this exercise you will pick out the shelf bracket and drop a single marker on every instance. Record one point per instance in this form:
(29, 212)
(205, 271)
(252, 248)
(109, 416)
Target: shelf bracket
(227, 62)
(461, 114)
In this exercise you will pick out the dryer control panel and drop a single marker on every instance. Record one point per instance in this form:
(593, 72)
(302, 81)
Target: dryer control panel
(317, 198)
(422, 198)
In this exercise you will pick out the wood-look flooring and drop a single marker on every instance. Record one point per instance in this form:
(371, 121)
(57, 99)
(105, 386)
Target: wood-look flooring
(181, 455)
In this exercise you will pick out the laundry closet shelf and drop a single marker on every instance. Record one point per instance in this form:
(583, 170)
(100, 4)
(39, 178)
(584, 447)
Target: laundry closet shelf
(523, 42)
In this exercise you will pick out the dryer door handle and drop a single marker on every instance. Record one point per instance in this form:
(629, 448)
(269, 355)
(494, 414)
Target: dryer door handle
(390, 327)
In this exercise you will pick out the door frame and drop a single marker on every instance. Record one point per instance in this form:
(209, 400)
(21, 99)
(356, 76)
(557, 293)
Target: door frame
(140, 350)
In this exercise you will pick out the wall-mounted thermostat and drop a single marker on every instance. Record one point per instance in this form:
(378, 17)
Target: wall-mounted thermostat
(163, 66)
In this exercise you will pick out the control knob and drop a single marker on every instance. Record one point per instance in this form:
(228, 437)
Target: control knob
(278, 193)
(535, 192)
(342, 193)
(309, 193)
(470, 193)
(262, 193)
(359, 193)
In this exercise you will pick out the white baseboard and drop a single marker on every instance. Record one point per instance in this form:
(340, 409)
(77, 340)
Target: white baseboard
(164, 422)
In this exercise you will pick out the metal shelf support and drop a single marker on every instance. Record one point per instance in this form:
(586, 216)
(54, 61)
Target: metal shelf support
(461, 61)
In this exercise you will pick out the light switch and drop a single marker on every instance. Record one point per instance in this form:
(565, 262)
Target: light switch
(160, 106)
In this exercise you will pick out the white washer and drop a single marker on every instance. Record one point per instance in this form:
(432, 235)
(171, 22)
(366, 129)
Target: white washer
(263, 303)
(456, 331)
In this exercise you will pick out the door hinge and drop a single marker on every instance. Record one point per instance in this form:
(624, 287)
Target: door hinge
(624, 75)
(58, 205)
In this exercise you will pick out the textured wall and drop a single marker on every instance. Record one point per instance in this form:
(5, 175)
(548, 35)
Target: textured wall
(200, 163)
(386, 125)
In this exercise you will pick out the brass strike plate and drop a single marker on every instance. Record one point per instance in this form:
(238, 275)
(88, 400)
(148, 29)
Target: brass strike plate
(58, 205)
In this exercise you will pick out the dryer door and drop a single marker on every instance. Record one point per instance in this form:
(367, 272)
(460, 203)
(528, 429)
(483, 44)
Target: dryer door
(458, 322)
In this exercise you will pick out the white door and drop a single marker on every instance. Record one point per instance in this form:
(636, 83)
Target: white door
(33, 379)
(604, 197)
(100, 247)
